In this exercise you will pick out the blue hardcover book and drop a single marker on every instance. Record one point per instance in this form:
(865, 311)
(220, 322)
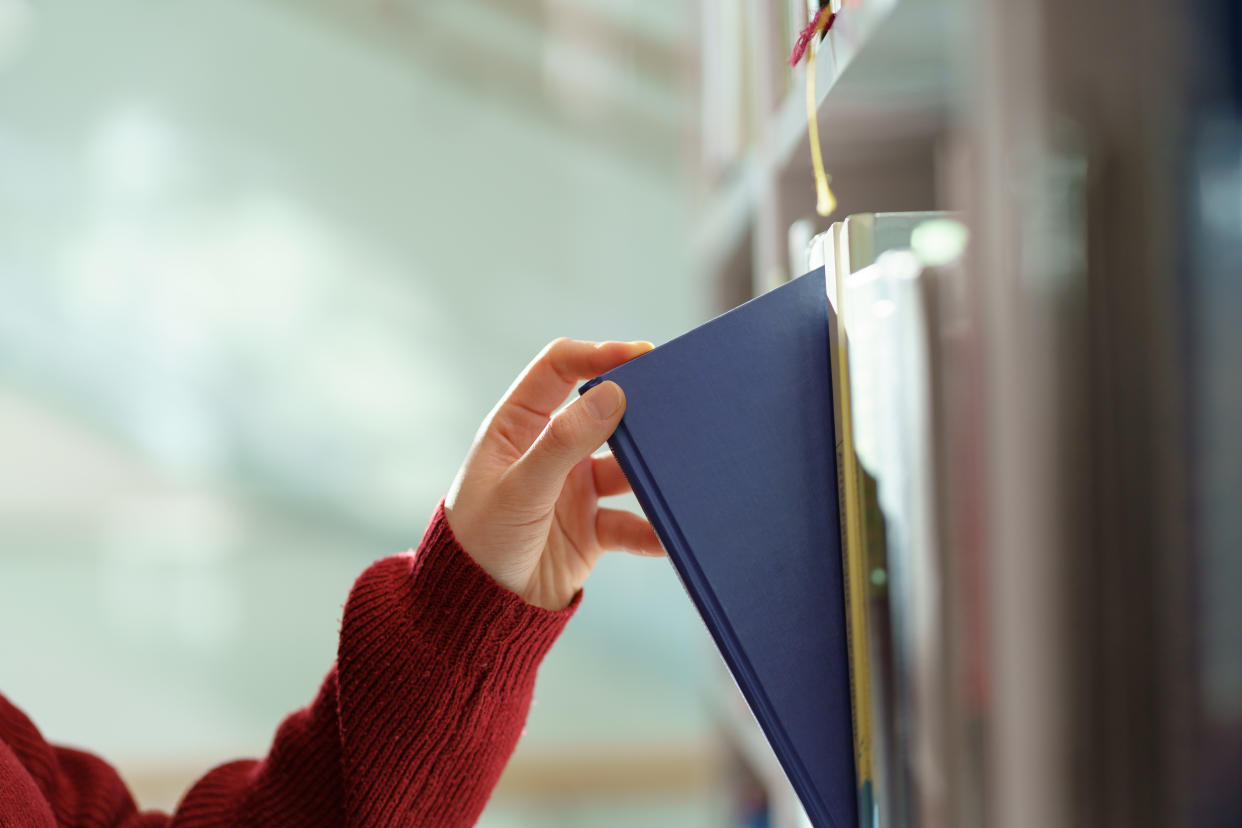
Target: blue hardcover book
(728, 442)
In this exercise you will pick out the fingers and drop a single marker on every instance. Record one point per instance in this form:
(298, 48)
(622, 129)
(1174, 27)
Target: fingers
(563, 364)
(609, 479)
(619, 529)
(569, 438)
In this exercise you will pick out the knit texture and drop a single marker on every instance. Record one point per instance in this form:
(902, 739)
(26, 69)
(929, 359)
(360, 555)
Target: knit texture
(413, 724)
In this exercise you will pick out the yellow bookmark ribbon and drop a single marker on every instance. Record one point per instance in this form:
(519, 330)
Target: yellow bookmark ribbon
(825, 201)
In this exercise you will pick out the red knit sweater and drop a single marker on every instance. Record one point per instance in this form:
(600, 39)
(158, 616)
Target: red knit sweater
(412, 726)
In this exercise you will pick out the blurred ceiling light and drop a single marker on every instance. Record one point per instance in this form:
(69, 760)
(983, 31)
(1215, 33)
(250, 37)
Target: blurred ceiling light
(136, 155)
(939, 241)
(16, 28)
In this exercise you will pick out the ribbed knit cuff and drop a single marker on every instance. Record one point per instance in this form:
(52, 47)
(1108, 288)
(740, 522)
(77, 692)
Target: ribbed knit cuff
(475, 616)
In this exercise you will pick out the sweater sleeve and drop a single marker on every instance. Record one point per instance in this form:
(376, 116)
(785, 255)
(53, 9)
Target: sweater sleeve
(413, 724)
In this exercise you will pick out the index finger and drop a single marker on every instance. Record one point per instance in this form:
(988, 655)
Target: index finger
(563, 364)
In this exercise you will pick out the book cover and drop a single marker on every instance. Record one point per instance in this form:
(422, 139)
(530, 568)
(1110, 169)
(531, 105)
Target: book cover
(728, 442)
(878, 658)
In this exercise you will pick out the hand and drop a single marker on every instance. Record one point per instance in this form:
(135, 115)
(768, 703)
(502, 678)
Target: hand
(525, 504)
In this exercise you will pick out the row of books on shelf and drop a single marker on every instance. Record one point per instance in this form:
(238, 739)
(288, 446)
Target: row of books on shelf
(793, 456)
(900, 357)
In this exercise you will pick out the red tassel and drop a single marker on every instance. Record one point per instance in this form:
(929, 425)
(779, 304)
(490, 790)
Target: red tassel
(822, 23)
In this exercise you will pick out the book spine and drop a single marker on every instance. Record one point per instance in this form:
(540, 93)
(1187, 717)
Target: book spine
(854, 549)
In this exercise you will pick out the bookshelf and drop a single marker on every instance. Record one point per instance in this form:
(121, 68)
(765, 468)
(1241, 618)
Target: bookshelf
(886, 81)
(1067, 545)
(887, 84)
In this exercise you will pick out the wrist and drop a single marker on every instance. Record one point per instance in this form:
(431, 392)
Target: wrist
(505, 567)
(468, 610)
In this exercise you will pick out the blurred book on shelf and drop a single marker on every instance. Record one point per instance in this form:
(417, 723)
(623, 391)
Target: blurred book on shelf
(867, 369)
(902, 420)
(722, 92)
(883, 317)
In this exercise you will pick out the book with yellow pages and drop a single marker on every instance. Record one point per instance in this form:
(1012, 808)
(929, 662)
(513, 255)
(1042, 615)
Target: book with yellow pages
(877, 695)
(853, 536)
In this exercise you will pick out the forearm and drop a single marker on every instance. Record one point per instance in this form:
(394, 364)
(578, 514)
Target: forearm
(434, 676)
(412, 726)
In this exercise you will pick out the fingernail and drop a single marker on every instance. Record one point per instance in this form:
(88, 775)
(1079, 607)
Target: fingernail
(603, 400)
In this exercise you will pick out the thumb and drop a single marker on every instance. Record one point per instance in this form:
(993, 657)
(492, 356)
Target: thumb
(570, 437)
